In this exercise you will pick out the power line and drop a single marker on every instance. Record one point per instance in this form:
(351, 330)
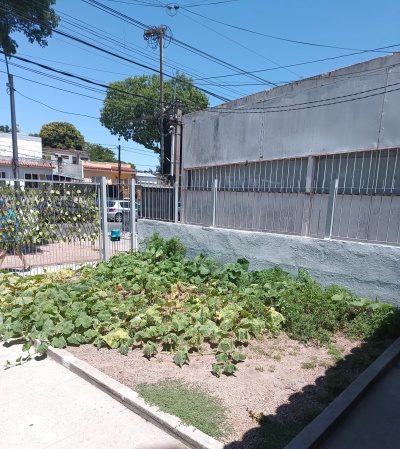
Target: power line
(53, 87)
(54, 109)
(126, 18)
(62, 33)
(83, 79)
(313, 44)
(293, 108)
(249, 49)
(294, 65)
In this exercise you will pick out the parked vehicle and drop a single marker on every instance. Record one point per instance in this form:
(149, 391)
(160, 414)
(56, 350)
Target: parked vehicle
(116, 209)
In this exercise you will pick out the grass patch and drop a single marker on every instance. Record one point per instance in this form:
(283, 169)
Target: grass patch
(335, 354)
(311, 364)
(188, 402)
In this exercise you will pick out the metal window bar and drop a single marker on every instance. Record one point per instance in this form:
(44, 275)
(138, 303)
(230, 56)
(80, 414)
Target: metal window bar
(273, 195)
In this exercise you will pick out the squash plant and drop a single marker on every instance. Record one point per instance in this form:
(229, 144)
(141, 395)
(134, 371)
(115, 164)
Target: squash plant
(157, 300)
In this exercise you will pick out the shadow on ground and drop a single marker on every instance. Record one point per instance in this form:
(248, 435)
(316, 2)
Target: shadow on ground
(276, 431)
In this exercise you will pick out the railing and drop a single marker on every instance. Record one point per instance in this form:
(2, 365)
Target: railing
(347, 196)
(54, 224)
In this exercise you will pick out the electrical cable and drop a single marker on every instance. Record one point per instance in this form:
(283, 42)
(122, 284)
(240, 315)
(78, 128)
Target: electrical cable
(54, 109)
(293, 108)
(126, 18)
(246, 48)
(224, 99)
(313, 44)
(294, 65)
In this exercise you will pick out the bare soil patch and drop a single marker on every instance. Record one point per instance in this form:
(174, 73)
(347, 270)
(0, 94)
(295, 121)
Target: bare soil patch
(281, 381)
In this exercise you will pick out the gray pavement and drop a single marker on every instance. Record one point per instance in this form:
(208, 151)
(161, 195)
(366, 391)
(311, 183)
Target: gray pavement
(45, 406)
(365, 415)
(375, 421)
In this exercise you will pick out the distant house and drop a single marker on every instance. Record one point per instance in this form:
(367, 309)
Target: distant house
(67, 163)
(31, 165)
(94, 171)
(146, 178)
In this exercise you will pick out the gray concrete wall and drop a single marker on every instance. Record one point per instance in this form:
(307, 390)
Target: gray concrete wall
(370, 270)
(360, 112)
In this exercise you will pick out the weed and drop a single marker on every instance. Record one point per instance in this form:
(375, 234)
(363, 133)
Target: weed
(325, 365)
(188, 402)
(258, 349)
(294, 350)
(335, 354)
(271, 369)
(308, 365)
(259, 368)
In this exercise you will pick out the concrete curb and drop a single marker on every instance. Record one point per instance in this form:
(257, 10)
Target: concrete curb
(318, 430)
(188, 435)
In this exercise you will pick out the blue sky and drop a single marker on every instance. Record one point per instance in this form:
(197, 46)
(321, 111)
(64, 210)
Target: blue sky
(249, 44)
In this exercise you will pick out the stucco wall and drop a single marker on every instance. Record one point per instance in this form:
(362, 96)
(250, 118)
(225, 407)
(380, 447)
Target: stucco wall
(352, 109)
(370, 270)
(28, 146)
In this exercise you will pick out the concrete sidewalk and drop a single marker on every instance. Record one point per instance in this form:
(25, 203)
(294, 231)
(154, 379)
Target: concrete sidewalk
(375, 421)
(365, 415)
(45, 406)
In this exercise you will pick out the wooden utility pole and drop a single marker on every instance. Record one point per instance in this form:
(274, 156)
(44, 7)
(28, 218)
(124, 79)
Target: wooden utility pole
(10, 86)
(151, 33)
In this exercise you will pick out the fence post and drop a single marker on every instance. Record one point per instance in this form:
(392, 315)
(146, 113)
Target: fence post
(176, 201)
(104, 224)
(306, 225)
(333, 188)
(132, 223)
(214, 189)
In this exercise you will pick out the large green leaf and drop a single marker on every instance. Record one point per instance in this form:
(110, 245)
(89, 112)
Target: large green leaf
(225, 345)
(150, 349)
(58, 342)
(181, 357)
(113, 339)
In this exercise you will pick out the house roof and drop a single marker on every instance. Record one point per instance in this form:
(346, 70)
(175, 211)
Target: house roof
(107, 166)
(63, 150)
(39, 163)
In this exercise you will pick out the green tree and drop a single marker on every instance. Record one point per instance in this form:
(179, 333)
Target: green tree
(132, 107)
(35, 19)
(5, 129)
(61, 135)
(98, 153)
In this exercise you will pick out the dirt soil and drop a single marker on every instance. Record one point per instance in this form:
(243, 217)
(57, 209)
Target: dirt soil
(281, 380)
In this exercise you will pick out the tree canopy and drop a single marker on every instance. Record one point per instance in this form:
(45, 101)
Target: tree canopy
(61, 135)
(5, 129)
(99, 153)
(35, 19)
(132, 107)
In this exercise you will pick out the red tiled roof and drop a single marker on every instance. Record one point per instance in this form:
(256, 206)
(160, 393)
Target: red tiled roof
(29, 164)
(107, 166)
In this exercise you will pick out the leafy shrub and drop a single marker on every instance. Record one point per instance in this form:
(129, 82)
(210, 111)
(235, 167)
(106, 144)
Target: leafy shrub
(158, 299)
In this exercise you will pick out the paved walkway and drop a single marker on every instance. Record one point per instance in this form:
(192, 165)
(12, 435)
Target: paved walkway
(45, 406)
(375, 421)
(364, 416)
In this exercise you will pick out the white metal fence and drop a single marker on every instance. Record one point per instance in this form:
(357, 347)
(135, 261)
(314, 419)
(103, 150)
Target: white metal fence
(347, 196)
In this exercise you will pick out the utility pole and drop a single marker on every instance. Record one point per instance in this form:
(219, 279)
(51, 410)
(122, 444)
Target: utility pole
(10, 85)
(157, 35)
(178, 131)
(119, 172)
